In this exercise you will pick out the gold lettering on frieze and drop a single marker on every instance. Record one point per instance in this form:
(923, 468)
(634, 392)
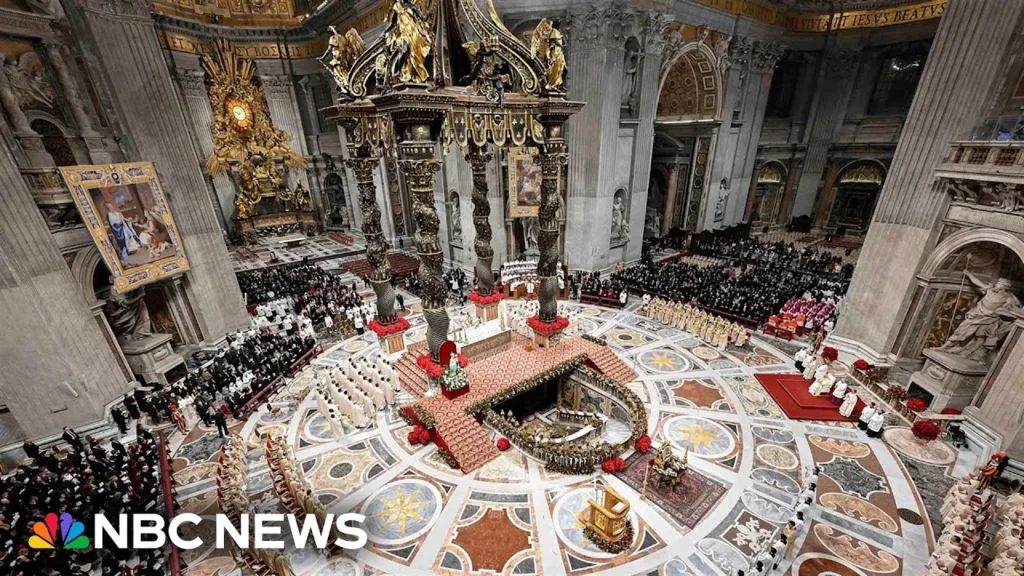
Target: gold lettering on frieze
(864, 18)
(758, 11)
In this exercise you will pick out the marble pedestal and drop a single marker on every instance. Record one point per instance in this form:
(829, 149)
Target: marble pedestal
(951, 380)
(153, 358)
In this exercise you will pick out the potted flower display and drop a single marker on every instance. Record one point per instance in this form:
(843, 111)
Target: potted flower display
(926, 430)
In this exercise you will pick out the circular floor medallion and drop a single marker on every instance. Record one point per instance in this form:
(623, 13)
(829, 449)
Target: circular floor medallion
(401, 511)
(700, 436)
(936, 452)
(570, 529)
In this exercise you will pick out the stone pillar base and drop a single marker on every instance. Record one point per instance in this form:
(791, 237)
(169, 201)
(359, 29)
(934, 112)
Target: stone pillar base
(394, 343)
(949, 380)
(153, 358)
(486, 312)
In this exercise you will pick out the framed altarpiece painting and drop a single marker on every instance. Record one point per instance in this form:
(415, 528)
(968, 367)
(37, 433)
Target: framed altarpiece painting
(129, 218)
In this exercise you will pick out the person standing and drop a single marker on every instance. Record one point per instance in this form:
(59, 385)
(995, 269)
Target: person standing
(119, 419)
(222, 423)
(400, 300)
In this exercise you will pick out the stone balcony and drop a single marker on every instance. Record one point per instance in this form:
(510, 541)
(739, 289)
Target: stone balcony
(52, 197)
(989, 161)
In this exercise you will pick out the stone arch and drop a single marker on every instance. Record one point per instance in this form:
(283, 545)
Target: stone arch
(84, 267)
(963, 238)
(54, 139)
(620, 229)
(855, 194)
(691, 89)
(769, 186)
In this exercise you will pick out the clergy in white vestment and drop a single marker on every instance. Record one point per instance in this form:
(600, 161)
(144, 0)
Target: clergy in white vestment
(839, 392)
(865, 416)
(875, 424)
(849, 404)
(811, 366)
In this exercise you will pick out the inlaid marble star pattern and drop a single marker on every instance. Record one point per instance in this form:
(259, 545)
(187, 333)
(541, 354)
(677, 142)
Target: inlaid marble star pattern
(424, 519)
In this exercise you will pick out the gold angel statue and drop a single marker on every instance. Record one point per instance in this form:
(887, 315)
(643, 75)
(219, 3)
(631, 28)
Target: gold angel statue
(408, 42)
(342, 50)
(546, 46)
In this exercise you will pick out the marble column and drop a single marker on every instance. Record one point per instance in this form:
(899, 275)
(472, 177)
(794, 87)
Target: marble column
(754, 69)
(376, 245)
(828, 192)
(964, 67)
(552, 158)
(200, 112)
(121, 37)
(419, 167)
(58, 369)
(70, 89)
(181, 311)
(595, 48)
(654, 28)
(671, 199)
(478, 159)
(835, 83)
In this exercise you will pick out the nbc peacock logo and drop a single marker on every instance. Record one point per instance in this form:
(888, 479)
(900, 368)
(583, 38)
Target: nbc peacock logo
(72, 534)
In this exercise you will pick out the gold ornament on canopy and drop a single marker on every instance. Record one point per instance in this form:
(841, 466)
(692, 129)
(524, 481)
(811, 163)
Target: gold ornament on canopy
(342, 50)
(244, 138)
(546, 46)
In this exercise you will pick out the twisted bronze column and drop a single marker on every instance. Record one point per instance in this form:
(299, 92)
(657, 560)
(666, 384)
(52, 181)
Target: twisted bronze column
(478, 158)
(376, 246)
(552, 158)
(419, 175)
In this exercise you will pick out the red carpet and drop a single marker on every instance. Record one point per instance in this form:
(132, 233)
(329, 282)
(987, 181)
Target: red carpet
(790, 392)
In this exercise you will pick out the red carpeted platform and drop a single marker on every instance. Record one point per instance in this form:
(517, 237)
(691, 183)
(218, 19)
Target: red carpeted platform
(790, 392)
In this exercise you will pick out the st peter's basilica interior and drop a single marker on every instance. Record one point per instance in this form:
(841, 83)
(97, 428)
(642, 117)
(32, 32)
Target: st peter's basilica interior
(564, 288)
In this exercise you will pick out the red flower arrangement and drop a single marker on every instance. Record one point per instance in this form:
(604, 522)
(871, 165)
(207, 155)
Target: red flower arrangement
(926, 430)
(916, 404)
(547, 329)
(419, 435)
(613, 465)
(643, 444)
(897, 393)
(389, 330)
(830, 354)
(434, 369)
(862, 364)
(504, 444)
(950, 411)
(476, 298)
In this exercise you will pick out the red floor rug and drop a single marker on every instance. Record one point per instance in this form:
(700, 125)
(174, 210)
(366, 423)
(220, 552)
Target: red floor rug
(790, 392)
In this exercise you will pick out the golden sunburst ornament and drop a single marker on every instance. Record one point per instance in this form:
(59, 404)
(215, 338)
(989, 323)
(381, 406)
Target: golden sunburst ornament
(240, 112)
(400, 509)
(698, 436)
(662, 361)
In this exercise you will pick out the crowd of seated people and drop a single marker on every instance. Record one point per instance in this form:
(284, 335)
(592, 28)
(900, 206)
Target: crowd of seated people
(590, 286)
(312, 293)
(752, 283)
(82, 480)
(249, 364)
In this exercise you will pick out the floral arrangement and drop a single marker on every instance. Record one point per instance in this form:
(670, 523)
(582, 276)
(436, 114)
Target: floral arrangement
(862, 365)
(454, 379)
(476, 298)
(547, 329)
(594, 340)
(830, 354)
(916, 405)
(643, 444)
(950, 412)
(433, 369)
(419, 435)
(613, 465)
(926, 430)
(616, 547)
(897, 393)
(382, 330)
(503, 444)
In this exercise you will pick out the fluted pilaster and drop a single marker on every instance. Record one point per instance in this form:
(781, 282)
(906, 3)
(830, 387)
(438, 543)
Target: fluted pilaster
(963, 69)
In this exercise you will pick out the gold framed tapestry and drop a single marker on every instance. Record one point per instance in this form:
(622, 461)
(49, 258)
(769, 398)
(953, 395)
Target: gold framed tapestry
(127, 214)
(524, 182)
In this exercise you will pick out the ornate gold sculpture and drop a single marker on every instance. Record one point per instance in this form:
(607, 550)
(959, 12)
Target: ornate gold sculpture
(546, 46)
(408, 42)
(342, 50)
(244, 136)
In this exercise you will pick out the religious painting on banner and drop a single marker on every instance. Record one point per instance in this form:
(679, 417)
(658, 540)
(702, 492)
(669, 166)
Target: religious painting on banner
(524, 181)
(127, 214)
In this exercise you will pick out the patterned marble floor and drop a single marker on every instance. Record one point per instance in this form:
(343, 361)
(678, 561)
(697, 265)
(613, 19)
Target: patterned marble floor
(513, 517)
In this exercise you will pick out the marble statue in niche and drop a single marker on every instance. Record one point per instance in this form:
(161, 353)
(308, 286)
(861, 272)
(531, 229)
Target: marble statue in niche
(982, 330)
(530, 229)
(128, 316)
(454, 219)
(620, 227)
